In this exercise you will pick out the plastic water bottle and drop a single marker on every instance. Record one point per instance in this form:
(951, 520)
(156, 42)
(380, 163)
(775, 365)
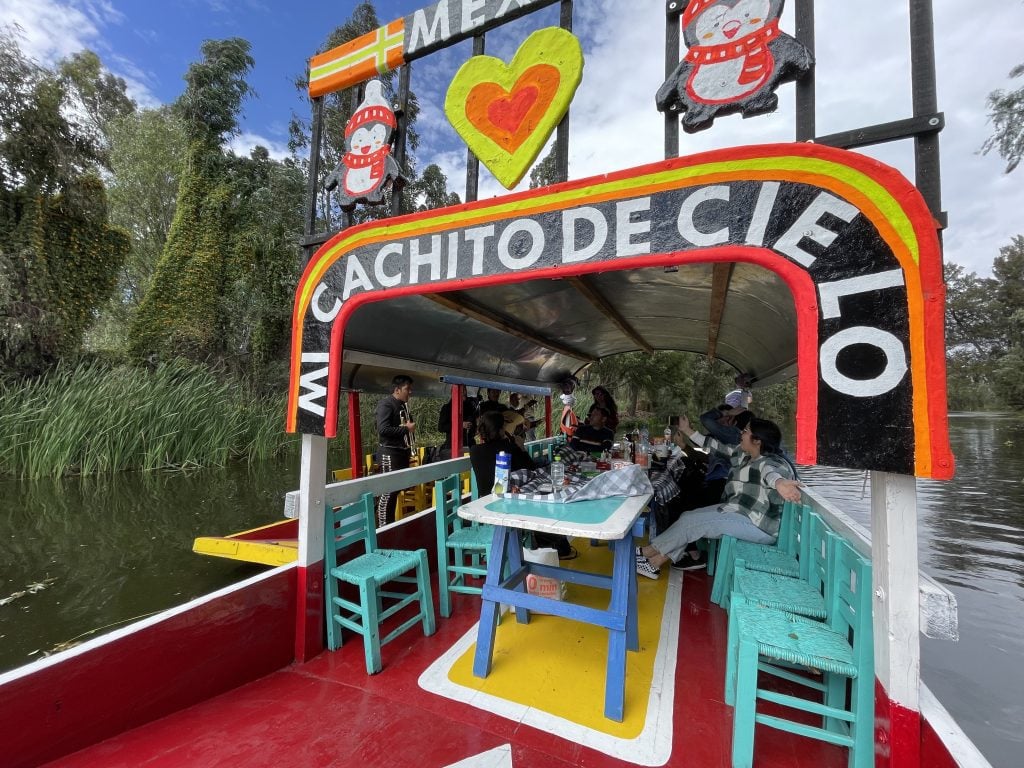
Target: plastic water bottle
(668, 440)
(501, 469)
(643, 451)
(557, 476)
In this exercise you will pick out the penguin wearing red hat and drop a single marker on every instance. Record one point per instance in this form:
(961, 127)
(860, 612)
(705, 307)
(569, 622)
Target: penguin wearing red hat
(737, 56)
(367, 165)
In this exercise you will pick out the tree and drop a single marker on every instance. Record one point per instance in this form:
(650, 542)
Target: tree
(430, 190)
(1006, 111)
(183, 313)
(59, 255)
(147, 155)
(545, 173)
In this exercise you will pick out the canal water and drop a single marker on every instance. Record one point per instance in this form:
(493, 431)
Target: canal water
(81, 557)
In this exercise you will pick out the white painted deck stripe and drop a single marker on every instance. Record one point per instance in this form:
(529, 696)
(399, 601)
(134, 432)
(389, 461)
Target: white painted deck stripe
(652, 747)
(499, 757)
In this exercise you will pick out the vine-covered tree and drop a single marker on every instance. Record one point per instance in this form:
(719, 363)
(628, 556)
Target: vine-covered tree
(183, 313)
(59, 255)
(1006, 111)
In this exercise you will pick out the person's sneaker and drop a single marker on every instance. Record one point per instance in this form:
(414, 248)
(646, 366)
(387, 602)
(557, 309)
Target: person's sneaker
(644, 568)
(687, 563)
(640, 553)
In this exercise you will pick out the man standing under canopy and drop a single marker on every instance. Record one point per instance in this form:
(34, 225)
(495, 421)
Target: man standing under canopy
(397, 432)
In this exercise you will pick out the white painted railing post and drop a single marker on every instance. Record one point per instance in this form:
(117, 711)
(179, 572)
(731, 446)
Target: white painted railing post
(897, 619)
(309, 606)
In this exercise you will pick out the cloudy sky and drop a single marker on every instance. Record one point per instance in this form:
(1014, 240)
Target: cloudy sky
(863, 78)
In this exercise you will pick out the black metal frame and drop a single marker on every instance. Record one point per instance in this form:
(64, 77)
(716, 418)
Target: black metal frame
(923, 127)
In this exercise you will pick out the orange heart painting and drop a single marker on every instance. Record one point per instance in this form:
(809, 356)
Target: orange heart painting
(505, 113)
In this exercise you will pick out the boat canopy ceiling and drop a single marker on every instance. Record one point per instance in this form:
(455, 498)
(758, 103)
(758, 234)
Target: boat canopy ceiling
(538, 331)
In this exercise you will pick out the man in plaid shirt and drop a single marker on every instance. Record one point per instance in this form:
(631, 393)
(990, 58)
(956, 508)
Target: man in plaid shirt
(759, 479)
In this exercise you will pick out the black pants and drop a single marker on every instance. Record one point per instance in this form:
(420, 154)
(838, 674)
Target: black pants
(390, 460)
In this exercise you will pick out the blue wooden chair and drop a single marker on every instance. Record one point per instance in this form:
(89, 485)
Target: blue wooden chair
(782, 557)
(457, 540)
(802, 596)
(841, 648)
(349, 526)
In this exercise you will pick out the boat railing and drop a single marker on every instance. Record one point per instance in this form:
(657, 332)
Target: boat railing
(349, 491)
(938, 604)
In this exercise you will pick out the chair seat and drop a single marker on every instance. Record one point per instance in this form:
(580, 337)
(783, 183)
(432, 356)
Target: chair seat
(781, 593)
(795, 639)
(471, 537)
(768, 558)
(380, 566)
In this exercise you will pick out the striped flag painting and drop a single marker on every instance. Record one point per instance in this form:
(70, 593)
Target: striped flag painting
(367, 56)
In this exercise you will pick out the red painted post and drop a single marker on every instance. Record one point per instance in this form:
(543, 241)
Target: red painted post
(458, 394)
(355, 436)
(547, 416)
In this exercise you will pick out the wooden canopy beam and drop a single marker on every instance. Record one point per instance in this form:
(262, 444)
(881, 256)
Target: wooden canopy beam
(720, 279)
(595, 297)
(458, 302)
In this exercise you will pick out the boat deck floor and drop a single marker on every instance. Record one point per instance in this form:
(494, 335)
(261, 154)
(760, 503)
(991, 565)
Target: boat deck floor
(541, 706)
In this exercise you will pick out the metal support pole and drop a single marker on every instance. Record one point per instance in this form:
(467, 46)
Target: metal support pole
(547, 416)
(673, 11)
(458, 395)
(404, 77)
(472, 163)
(925, 101)
(355, 436)
(314, 176)
(562, 133)
(805, 104)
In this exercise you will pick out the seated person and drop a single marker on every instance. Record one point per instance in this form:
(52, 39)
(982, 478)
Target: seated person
(604, 399)
(526, 411)
(759, 480)
(724, 423)
(593, 436)
(493, 440)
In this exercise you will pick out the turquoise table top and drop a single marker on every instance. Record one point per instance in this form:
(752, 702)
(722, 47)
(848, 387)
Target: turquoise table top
(593, 512)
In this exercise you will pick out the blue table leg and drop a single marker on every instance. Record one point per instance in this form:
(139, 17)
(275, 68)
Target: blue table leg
(623, 576)
(514, 553)
(489, 608)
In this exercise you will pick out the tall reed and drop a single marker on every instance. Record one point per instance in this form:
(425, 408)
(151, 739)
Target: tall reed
(91, 418)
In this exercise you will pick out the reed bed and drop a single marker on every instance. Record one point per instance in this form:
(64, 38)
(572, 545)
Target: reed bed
(90, 419)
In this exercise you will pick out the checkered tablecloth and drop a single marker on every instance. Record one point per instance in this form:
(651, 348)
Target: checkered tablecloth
(630, 480)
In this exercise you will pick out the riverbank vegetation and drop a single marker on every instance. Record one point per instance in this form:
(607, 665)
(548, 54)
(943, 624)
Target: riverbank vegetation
(137, 237)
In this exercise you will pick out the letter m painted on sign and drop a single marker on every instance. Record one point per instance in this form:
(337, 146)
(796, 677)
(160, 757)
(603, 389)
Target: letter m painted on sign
(311, 389)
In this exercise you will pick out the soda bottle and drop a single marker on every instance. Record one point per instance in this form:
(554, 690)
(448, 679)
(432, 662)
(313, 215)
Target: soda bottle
(557, 476)
(501, 469)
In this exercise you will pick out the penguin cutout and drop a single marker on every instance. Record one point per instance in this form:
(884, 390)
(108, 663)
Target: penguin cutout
(367, 166)
(737, 57)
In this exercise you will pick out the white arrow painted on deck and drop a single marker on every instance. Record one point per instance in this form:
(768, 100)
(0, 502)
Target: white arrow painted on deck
(499, 757)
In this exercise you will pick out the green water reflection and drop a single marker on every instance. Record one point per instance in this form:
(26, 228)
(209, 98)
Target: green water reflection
(111, 549)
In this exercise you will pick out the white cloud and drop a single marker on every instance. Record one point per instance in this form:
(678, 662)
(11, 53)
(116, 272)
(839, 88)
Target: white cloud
(244, 143)
(51, 30)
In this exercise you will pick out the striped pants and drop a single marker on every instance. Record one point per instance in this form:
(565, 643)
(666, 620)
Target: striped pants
(390, 460)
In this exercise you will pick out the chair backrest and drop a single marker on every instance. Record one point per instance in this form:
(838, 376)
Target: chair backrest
(348, 525)
(849, 605)
(820, 555)
(788, 539)
(447, 500)
(341, 474)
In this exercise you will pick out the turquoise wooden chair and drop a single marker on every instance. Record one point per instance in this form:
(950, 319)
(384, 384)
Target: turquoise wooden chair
(457, 540)
(802, 596)
(841, 648)
(782, 557)
(349, 526)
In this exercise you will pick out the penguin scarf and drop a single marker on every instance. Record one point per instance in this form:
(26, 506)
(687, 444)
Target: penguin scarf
(375, 161)
(757, 59)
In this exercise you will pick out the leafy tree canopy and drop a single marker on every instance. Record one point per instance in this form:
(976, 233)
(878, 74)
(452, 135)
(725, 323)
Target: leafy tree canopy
(1006, 111)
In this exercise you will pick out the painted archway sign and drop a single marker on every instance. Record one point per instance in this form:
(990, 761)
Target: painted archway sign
(851, 237)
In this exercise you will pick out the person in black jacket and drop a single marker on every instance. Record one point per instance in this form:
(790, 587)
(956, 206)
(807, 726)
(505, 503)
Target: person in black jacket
(444, 425)
(494, 439)
(396, 431)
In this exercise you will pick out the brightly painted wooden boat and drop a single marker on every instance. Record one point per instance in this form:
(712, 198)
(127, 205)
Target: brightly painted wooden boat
(783, 260)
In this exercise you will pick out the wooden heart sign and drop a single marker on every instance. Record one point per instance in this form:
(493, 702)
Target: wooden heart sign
(505, 113)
